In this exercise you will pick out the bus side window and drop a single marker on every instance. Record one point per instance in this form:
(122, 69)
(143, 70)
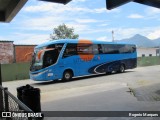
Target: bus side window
(122, 49)
(110, 49)
(85, 49)
(100, 49)
(133, 48)
(95, 49)
(128, 49)
(70, 50)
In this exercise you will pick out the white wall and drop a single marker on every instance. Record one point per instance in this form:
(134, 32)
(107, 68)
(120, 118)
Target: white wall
(146, 51)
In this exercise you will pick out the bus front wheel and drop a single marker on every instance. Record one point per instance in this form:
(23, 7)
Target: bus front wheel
(67, 75)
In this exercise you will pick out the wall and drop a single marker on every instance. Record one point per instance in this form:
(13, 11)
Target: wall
(6, 52)
(23, 53)
(15, 71)
(146, 51)
(148, 61)
(10, 53)
(20, 71)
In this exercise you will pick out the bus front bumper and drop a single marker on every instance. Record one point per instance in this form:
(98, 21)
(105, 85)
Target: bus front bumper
(42, 76)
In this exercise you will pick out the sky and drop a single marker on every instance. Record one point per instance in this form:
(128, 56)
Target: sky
(89, 18)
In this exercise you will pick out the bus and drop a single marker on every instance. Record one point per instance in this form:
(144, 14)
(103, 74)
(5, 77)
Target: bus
(68, 58)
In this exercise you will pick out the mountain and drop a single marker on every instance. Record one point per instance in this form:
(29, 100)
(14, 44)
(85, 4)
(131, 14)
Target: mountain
(157, 42)
(140, 41)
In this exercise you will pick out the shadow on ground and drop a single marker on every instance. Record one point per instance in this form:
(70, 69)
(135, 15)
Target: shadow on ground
(76, 79)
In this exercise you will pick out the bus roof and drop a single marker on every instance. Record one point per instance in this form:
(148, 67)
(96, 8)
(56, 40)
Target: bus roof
(76, 41)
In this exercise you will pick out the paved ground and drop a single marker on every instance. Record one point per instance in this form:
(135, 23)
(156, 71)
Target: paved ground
(134, 90)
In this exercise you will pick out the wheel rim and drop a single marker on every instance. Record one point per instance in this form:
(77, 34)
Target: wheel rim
(67, 76)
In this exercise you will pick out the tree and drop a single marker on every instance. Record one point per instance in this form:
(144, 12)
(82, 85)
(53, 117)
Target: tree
(63, 32)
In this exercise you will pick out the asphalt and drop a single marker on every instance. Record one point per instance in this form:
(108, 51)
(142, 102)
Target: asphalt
(135, 90)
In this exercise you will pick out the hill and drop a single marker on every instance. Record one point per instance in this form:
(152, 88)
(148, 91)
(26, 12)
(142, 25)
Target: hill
(141, 41)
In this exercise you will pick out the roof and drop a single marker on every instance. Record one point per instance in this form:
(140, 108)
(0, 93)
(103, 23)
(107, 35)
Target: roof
(115, 3)
(23, 45)
(58, 1)
(77, 41)
(9, 9)
(6, 41)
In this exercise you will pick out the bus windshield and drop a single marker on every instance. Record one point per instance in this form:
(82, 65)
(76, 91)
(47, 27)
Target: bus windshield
(45, 56)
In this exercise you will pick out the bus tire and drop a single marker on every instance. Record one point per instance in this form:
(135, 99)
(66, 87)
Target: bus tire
(108, 73)
(122, 68)
(67, 75)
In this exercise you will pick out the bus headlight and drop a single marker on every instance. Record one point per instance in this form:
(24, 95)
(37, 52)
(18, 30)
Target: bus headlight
(50, 74)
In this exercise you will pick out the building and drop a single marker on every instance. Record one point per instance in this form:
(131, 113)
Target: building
(6, 52)
(10, 53)
(23, 53)
(146, 52)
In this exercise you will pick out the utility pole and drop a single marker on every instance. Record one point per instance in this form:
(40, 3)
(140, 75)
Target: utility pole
(112, 36)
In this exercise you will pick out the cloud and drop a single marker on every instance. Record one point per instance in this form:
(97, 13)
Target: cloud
(123, 33)
(135, 16)
(39, 18)
(79, 0)
(152, 11)
(104, 38)
(41, 23)
(50, 15)
(60, 8)
(104, 24)
(55, 8)
(119, 33)
(100, 10)
(44, 16)
(79, 28)
(28, 38)
(86, 20)
(154, 35)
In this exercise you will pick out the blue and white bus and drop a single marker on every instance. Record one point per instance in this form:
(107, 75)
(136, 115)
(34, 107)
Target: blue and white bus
(67, 58)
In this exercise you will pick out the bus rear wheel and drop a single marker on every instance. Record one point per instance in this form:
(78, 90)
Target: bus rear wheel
(67, 75)
(121, 68)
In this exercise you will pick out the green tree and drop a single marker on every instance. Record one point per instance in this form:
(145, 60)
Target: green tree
(63, 32)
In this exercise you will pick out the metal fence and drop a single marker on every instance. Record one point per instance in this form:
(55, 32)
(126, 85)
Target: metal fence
(10, 103)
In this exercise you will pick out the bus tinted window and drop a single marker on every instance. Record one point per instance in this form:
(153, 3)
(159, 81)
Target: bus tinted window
(51, 54)
(118, 49)
(71, 49)
(127, 48)
(100, 49)
(110, 49)
(87, 49)
(84, 48)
